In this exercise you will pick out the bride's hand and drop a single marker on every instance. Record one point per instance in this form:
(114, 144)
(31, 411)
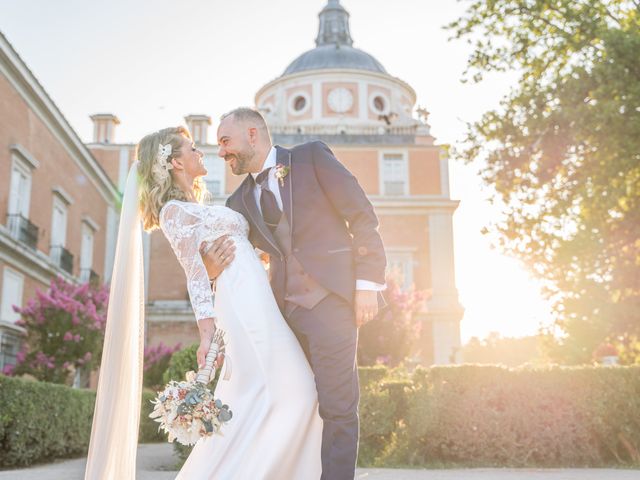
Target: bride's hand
(201, 354)
(219, 255)
(207, 328)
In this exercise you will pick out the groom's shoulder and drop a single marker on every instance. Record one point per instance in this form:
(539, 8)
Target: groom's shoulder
(309, 149)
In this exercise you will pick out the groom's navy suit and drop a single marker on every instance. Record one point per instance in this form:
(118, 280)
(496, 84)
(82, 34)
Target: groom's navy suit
(334, 237)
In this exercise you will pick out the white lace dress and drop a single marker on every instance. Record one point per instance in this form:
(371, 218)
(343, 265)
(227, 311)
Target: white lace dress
(276, 431)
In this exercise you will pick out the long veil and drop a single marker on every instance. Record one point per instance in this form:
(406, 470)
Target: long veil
(116, 418)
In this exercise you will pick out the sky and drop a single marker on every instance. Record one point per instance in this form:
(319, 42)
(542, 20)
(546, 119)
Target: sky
(151, 62)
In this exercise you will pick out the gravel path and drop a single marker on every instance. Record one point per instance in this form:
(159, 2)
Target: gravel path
(156, 461)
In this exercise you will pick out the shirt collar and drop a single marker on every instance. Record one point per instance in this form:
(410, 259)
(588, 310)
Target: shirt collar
(268, 163)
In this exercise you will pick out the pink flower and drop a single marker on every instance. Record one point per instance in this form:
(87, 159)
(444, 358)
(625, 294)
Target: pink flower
(68, 337)
(20, 356)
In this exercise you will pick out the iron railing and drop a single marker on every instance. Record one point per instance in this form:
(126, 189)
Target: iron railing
(88, 275)
(62, 257)
(23, 230)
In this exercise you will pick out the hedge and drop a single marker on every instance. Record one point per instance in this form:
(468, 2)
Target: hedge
(42, 421)
(462, 416)
(490, 416)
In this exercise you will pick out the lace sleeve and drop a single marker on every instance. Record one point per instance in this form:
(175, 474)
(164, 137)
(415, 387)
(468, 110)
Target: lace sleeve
(181, 229)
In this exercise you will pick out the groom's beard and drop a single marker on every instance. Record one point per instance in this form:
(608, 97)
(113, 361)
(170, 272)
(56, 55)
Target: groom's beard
(242, 161)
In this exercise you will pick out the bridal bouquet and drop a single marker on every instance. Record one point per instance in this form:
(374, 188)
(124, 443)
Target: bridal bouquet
(188, 410)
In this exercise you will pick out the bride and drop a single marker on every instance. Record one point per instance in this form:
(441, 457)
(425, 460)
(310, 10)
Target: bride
(276, 431)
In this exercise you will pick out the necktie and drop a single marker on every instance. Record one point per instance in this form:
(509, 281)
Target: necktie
(270, 210)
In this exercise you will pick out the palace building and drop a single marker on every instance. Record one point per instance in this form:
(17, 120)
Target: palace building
(333, 92)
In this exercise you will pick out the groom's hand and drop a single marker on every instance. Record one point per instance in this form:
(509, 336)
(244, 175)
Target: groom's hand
(219, 256)
(366, 306)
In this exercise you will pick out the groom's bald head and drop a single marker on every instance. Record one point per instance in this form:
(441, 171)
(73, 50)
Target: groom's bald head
(246, 116)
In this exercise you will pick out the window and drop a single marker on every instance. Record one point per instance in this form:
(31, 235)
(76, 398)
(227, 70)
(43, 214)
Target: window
(9, 347)
(86, 253)
(19, 197)
(60, 255)
(299, 103)
(378, 103)
(12, 286)
(400, 266)
(215, 174)
(59, 223)
(394, 174)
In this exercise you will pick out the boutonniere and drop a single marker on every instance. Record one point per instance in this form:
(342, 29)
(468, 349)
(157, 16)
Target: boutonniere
(281, 173)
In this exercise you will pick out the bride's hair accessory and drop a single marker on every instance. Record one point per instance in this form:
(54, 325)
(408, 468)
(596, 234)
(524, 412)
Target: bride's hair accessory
(161, 167)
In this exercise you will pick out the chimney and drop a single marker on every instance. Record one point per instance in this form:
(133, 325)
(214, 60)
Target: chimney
(198, 125)
(104, 127)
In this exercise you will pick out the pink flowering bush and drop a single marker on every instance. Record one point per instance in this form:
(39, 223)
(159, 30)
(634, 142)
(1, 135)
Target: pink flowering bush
(156, 361)
(64, 331)
(388, 339)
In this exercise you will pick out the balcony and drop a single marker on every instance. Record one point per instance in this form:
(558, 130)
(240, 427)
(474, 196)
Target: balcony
(62, 257)
(23, 230)
(87, 275)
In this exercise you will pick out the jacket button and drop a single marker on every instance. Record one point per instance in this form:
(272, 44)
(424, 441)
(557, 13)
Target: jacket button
(362, 250)
(296, 250)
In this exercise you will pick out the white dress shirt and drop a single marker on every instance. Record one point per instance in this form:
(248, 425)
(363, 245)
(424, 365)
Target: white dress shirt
(274, 187)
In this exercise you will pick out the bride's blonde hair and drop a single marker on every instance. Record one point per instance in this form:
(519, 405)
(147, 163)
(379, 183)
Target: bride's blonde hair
(155, 190)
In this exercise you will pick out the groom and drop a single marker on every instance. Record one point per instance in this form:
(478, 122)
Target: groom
(327, 262)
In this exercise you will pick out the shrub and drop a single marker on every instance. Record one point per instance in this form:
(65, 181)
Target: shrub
(488, 416)
(42, 421)
(64, 331)
(156, 362)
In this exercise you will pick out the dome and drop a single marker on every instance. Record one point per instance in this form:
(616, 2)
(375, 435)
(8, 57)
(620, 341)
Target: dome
(334, 46)
(335, 56)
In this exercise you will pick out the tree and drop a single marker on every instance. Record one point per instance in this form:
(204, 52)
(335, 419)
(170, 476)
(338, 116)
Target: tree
(562, 154)
(389, 338)
(64, 331)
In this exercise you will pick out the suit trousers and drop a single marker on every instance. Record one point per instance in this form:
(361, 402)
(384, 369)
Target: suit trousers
(329, 338)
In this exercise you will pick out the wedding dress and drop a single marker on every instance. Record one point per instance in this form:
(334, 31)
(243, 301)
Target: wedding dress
(276, 431)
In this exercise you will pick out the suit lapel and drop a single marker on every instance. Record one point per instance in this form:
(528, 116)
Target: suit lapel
(250, 206)
(286, 189)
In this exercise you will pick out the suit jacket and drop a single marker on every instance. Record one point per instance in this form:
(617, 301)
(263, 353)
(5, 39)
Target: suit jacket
(333, 226)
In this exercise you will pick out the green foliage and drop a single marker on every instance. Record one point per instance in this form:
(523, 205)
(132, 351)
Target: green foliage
(463, 416)
(181, 362)
(42, 421)
(149, 431)
(562, 154)
(484, 416)
(489, 416)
